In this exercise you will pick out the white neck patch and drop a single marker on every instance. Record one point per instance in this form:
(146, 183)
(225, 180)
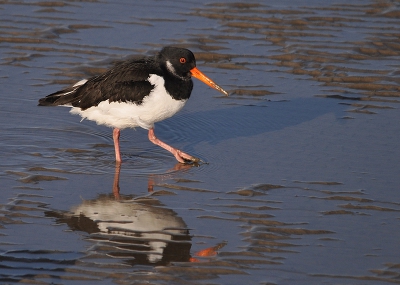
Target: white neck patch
(171, 69)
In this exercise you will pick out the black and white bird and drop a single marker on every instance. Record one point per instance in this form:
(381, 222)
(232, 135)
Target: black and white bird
(136, 93)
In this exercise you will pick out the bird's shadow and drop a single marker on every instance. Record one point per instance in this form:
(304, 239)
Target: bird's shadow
(214, 126)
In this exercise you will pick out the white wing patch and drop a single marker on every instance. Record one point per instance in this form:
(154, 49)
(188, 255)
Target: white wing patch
(80, 83)
(75, 86)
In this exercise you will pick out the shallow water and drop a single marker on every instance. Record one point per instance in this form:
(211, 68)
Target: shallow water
(301, 184)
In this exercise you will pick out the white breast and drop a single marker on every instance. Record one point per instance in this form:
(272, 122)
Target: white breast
(157, 106)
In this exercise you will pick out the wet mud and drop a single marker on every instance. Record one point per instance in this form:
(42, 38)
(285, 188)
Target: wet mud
(300, 180)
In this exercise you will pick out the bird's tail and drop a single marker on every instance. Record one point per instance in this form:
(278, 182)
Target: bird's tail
(62, 97)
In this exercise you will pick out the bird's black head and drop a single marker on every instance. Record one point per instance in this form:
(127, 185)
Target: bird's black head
(177, 61)
(180, 63)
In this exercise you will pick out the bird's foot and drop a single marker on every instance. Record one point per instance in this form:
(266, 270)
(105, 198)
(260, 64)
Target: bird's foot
(180, 156)
(185, 158)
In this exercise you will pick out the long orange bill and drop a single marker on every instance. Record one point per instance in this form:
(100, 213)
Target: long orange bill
(200, 76)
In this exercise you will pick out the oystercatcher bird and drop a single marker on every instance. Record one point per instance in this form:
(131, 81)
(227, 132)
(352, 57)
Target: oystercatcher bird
(136, 93)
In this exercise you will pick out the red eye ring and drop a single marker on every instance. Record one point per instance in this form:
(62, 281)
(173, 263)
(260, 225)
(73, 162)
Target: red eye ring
(182, 60)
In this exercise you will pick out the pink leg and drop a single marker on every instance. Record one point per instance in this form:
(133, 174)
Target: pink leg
(179, 155)
(116, 134)
(116, 180)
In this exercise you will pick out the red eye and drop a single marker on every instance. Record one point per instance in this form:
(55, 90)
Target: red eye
(182, 60)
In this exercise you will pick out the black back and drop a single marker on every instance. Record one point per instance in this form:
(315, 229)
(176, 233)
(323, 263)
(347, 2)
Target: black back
(127, 81)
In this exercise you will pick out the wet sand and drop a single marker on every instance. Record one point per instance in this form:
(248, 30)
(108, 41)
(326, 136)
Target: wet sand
(302, 175)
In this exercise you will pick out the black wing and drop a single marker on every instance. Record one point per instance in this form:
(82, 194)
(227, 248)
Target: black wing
(125, 82)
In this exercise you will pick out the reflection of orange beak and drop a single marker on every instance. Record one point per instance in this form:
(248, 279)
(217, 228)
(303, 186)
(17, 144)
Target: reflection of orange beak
(200, 76)
(209, 251)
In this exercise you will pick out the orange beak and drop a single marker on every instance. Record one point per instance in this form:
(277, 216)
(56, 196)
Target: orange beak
(200, 76)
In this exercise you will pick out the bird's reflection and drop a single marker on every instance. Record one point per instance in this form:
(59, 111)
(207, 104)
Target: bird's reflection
(138, 230)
